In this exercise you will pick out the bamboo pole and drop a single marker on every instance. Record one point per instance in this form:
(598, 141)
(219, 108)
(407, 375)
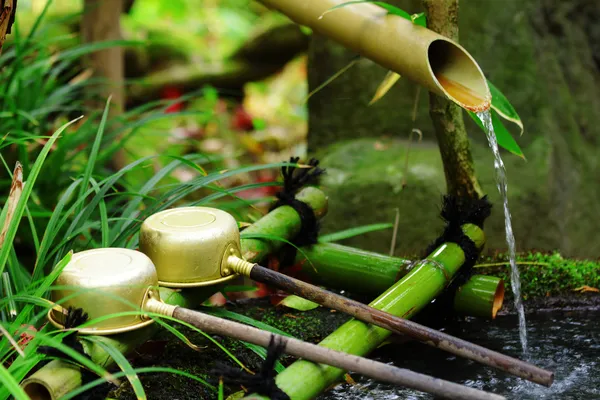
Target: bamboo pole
(305, 380)
(349, 268)
(432, 60)
(365, 272)
(284, 222)
(373, 369)
(48, 382)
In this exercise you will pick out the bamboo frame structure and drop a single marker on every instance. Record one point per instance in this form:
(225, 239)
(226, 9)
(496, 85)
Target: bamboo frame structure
(304, 380)
(431, 60)
(365, 272)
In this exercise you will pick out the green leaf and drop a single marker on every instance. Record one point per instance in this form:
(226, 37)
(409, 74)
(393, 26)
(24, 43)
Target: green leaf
(503, 136)
(298, 303)
(419, 19)
(348, 233)
(502, 106)
(7, 381)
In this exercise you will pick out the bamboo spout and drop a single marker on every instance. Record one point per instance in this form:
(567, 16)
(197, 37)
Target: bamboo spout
(431, 60)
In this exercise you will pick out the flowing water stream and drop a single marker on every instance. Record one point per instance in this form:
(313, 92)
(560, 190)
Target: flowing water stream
(501, 183)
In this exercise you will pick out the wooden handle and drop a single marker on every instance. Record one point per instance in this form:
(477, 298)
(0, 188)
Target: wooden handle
(399, 325)
(364, 366)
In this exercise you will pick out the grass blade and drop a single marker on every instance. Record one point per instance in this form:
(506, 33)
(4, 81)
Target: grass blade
(11, 384)
(20, 208)
(348, 233)
(122, 362)
(89, 169)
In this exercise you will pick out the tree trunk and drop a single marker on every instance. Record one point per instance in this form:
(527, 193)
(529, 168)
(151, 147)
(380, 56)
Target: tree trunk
(447, 117)
(101, 22)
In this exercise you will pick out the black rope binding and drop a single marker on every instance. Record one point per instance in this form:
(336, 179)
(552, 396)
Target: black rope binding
(263, 382)
(456, 212)
(295, 179)
(73, 318)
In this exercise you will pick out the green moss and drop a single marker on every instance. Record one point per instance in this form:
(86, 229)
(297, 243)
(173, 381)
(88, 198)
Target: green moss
(545, 274)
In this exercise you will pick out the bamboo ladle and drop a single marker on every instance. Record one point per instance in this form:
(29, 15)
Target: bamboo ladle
(200, 246)
(104, 281)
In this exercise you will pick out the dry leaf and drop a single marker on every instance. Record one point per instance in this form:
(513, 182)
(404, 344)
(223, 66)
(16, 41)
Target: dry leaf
(390, 79)
(13, 198)
(7, 18)
(586, 288)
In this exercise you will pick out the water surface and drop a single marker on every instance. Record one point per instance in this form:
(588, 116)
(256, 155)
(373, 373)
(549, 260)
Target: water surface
(567, 343)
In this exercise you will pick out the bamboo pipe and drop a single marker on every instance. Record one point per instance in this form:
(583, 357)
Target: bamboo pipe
(130, 276)
(198, 246)
(304, 380)
(48, 382)
(481, 296)
(365, 272)
(431, 60)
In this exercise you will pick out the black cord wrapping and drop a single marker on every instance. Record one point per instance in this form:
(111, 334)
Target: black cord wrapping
(295, 179)
(263, 382)
(456, 212)
(73, 318)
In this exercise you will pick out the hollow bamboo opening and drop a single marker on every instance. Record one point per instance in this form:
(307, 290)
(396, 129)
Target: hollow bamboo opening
(458, 75)
(37, 391)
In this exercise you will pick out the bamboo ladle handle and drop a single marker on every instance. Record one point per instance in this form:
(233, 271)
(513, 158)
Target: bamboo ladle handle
(364, 366)
(395, 324)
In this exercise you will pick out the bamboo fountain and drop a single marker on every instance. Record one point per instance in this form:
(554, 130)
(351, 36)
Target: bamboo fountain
(431, 60)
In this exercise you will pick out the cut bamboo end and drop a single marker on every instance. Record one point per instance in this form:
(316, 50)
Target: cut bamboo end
(53, 381)
(458, 75)
(482, 296)
(37, 391)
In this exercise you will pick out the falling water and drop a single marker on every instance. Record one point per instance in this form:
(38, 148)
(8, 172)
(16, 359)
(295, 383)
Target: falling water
(486, 119)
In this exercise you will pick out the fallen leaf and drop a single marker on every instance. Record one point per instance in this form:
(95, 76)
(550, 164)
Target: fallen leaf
(586, 288)
(390, 79)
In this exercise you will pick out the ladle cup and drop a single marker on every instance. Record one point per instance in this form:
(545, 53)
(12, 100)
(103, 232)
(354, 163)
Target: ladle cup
(200, 246)
(104, 281)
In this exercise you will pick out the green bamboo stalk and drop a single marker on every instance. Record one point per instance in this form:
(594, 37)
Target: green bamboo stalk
(349, 268)
(48, 383)
(304, 380)
(283, 222)
(365, 272)
(481, 296)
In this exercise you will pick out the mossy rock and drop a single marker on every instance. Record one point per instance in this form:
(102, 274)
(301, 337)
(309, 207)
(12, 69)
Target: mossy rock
(545, 275)
(364, 182)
